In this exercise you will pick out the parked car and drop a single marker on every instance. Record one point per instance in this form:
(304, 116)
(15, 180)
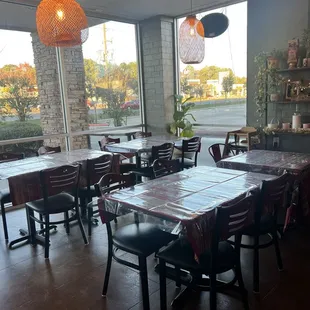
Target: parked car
(131, 105)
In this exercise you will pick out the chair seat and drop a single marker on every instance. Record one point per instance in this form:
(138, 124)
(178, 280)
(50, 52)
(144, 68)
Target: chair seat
(265, 227)
(181, 254)
(58, 203)
(141, 239)
(5, 196)
(188, 163)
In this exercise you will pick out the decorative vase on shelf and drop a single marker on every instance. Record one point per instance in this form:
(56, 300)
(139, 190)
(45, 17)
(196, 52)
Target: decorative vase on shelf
(274, 97)
(296, 120)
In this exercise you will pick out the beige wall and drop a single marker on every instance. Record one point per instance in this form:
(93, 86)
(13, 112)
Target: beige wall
(271, 23)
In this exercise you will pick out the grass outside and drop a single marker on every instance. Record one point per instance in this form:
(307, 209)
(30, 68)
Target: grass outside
(219, 104)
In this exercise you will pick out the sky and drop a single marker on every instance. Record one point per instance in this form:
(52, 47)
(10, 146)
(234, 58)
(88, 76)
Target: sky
(228, 50)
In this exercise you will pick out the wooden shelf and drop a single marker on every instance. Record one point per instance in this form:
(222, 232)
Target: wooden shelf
(290, 101)
(296, 73)
(279, 131)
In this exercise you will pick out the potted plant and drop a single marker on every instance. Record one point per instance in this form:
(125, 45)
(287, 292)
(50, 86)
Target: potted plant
(305, 42)
(274, 59)
(181, 125)
(274, 85)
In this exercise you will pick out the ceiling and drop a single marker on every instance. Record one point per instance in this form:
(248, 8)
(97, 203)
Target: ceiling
(20, 14)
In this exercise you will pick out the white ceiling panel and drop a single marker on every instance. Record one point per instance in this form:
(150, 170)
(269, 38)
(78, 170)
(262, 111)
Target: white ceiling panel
(20, 14)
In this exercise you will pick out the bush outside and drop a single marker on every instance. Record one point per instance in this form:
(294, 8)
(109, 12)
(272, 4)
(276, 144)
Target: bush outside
(18, 130)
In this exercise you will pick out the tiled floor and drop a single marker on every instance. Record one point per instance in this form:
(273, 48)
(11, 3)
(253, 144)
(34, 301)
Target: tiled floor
(73, 276)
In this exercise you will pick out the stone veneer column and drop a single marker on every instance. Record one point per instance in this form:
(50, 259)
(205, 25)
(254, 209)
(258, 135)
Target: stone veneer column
(158, 71)
(45, 61)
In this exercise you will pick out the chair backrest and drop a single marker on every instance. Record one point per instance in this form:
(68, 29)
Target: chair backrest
(6, 157)
(142, 134)
(112, 182)
(98, 167)
(61, 179)
(162, 167)
(43, 150)
(163, 151)
(216, 152)
(231, 219)
(107, 140)
(273, 194)
(191, 145)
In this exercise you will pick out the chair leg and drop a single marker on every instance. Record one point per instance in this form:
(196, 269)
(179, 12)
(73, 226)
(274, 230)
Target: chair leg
(213, 303)
(256, 265)
(177, 276)
(67, 226)
(115, 220)
(47, 235)
(83, 207)
(89, 221)
(243, 290)
(41, 219)
(81, 225)
(109, 262)
(162, 285)
(5, 227)
(144, 283)
(277, 249)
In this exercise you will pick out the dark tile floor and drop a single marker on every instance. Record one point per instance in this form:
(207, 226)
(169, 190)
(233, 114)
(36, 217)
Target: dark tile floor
(73, 276)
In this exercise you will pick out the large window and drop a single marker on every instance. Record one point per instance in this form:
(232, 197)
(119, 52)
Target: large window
(56, 96)
(111, 76)
(24, 106)
(218, 84)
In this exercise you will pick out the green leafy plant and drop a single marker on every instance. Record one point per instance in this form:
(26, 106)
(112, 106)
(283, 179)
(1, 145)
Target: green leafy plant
(181, 124)
(278, 54)
(305, 41)
(261, 78)
(15, 130)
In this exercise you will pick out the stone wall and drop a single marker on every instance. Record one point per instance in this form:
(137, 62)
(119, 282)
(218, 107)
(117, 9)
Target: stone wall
(51, 113)
(158, 72)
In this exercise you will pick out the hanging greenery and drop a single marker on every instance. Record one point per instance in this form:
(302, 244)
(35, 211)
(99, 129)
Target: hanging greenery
(260, 82)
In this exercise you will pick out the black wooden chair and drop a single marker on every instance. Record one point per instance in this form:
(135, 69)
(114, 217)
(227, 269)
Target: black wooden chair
(220, 258)
(125, 167)
(217, 151)
(163, 167)
(5, 193)
(273, 196)
(140, 239)
(96, 169)
(190, 146)
(60, 195)
(163, 151)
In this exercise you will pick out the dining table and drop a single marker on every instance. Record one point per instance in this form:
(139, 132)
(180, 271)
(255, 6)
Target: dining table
(143, 145)
(22, 177)
(184, 202)
(127, 132)
(269, 162)
(276, 163)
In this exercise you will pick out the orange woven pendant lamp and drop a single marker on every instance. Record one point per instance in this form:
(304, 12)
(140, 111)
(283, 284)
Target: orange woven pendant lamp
(61, 23)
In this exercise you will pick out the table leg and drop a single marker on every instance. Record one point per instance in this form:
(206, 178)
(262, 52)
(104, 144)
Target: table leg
(31, 235)
(138, 165)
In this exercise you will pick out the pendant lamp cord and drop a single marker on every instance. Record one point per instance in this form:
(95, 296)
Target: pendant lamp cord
(191, 7)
